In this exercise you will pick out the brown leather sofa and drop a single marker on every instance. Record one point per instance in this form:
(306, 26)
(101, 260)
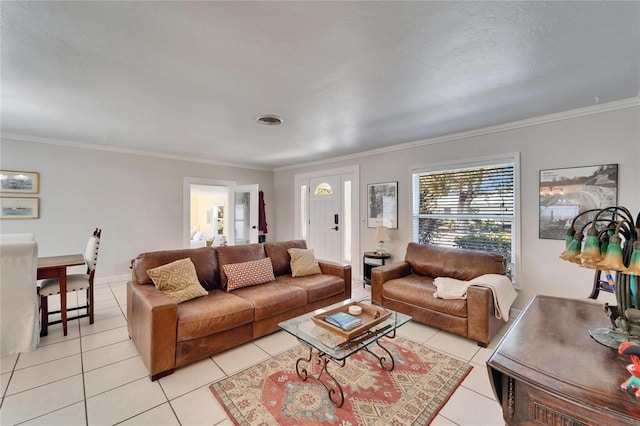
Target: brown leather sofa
(170, 335)
(408, 287)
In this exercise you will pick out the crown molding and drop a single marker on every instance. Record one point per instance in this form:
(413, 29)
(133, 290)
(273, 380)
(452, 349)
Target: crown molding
(566, 115)
(544, 119)
(73, 144)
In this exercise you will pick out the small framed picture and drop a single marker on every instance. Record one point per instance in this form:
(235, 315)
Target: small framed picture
(19, 208)
(382, 205)
(12, 181)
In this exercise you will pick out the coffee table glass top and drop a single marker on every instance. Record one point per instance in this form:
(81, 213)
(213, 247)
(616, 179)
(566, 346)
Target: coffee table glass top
(332, 344)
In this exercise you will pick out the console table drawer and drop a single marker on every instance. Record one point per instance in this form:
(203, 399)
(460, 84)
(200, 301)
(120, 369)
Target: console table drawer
(536, 407)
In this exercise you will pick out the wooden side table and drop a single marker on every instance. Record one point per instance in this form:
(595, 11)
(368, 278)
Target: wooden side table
(371, 259)
(548, 371)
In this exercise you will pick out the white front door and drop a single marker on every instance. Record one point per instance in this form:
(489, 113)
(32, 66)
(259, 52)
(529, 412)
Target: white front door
(325, 223)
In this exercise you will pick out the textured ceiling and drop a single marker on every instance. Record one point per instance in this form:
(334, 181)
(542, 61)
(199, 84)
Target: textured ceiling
(187, 79)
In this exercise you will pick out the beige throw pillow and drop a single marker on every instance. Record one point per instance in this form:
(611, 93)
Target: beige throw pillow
(250, 273)
(178, 280)
(303, 262)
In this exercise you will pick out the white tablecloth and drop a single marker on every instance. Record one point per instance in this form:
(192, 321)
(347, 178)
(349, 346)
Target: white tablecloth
(19, 320)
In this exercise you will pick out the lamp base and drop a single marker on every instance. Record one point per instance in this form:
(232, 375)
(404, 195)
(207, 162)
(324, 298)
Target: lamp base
(611, 338)
(381, 249)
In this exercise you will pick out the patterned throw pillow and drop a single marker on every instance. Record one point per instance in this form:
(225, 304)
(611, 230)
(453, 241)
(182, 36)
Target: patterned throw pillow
(303, 262)
(178, 280)
(250, 273)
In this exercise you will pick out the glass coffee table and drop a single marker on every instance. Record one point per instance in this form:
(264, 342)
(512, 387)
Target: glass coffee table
(326, 345)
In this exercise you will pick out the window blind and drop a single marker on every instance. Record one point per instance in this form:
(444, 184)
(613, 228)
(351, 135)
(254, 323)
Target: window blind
(469, 208)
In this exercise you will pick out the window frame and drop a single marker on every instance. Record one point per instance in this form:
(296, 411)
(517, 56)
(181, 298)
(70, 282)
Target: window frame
(510, 158)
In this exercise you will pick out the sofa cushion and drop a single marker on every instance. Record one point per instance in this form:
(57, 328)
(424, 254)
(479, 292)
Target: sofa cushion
(303, 262)
(318, 287)
(462, 264)
(250, 273)
(216, 312)
(273, 298)
(418, 291)
(279, 255)
(204, 259)
(178, 280)
(237, 254)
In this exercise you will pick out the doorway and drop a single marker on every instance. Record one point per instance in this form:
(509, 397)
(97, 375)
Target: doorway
(208, 204)
(327, 213)
(218, 212)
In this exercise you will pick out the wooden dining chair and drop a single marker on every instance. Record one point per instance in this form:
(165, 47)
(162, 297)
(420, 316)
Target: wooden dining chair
(75, 282)
(599, 285)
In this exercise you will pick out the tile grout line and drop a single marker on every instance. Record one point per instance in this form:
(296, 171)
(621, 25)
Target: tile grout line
(6, 389)
(117, 301)
(159, 384)
(80, 353)
(84, 385)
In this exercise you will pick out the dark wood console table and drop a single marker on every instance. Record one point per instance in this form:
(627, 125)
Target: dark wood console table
(548, 371)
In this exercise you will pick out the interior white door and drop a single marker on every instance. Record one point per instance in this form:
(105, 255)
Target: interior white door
(324, 218)
(245, 214)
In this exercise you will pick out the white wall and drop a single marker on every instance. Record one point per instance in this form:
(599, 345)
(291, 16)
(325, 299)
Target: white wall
(136, 200)
(596, 138)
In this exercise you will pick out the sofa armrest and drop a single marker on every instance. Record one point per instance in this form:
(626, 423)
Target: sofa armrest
(342, 271)
(152, 321)
(381, 274)
(483, 324)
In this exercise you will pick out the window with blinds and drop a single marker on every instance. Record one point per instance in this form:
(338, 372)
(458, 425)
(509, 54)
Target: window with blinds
(470, 207)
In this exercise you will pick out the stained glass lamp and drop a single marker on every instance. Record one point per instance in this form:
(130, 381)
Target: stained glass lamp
(611, 245)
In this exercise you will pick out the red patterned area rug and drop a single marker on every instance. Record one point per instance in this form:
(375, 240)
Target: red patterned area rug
(271, 393)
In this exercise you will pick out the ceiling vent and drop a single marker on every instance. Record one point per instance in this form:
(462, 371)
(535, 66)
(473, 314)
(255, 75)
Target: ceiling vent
(269, 120)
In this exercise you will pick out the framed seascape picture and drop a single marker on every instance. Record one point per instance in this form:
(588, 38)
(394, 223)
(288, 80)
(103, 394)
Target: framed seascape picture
(19, 208)
(382, 205)
(564, 193)
(12, 181)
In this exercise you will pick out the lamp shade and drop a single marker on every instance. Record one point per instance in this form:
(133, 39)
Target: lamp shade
(613, 258)
(634, 265)
(591, 251)
(381, 234)
(572, 253)
(569, 238)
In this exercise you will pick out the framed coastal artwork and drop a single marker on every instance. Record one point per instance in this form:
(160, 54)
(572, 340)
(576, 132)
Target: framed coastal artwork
(16, 182)
(382, 205)
(19, 208)
(565, 193)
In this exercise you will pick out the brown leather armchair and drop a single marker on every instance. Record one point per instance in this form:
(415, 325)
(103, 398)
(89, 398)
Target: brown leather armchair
(408, 287)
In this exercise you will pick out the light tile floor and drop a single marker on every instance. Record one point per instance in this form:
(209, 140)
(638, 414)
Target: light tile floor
(95, 376)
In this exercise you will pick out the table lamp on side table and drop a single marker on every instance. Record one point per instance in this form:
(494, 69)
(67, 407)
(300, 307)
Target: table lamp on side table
(381, 236)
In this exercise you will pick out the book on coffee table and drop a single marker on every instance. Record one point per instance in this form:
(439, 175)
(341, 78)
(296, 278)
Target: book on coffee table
(343, 320)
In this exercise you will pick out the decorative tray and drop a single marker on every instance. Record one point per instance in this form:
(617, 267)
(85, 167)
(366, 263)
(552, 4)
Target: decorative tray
(371, 316)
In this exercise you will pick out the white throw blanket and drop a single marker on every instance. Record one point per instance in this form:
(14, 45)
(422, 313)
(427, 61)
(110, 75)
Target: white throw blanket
(500, 285)
(450, 288)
